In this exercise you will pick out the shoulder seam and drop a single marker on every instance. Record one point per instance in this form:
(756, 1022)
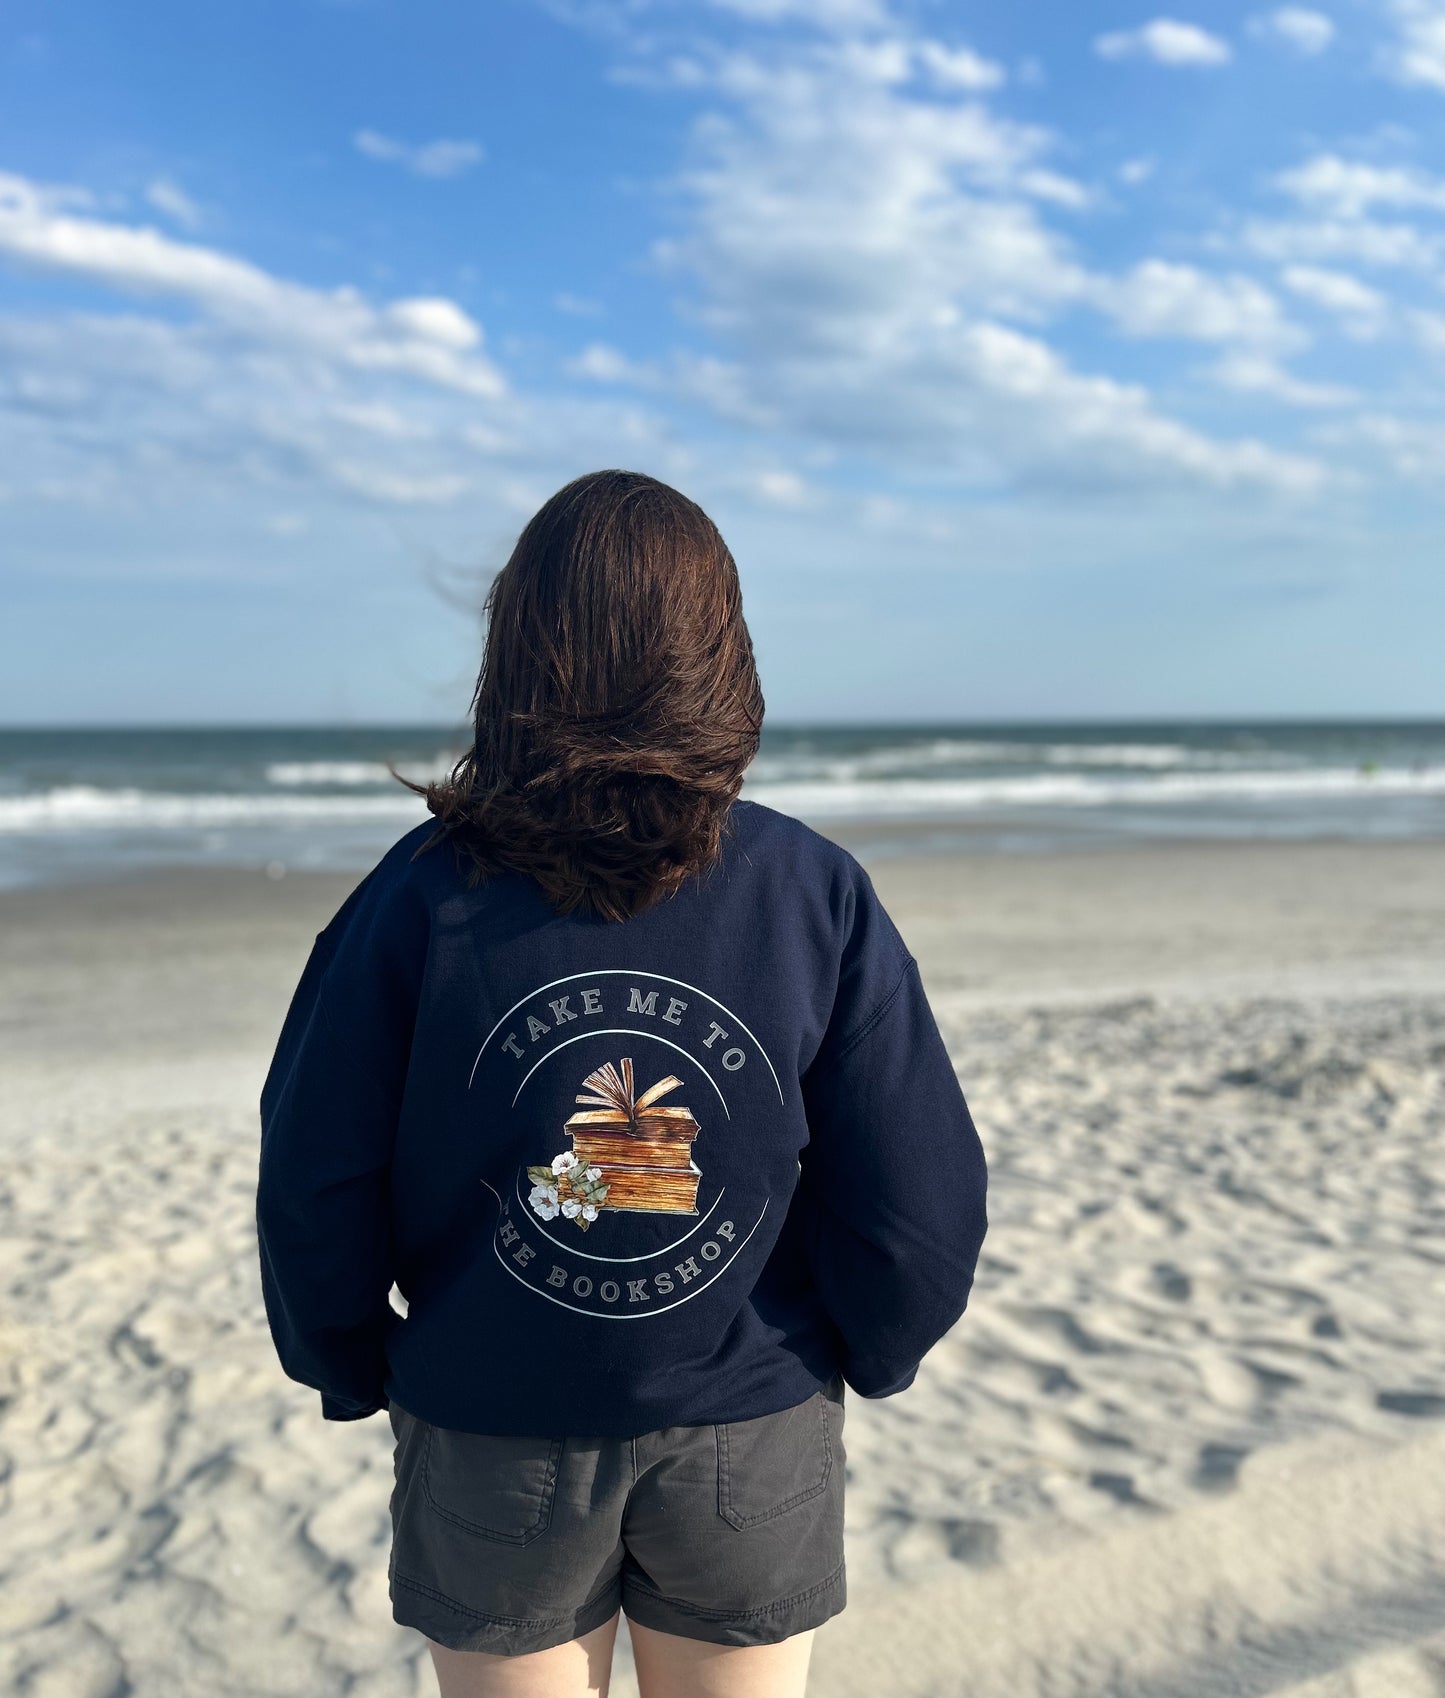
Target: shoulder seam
(855, 1038)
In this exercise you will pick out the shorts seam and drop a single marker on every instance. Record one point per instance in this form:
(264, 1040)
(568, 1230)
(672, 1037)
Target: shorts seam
(706, 1614)
(538, 1622)
(500, 1535)
(725, 1501)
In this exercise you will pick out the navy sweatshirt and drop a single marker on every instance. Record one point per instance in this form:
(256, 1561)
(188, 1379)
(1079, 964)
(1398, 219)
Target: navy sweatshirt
(625, 1175)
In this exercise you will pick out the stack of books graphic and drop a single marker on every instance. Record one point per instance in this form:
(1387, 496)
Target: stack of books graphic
(643, 1149)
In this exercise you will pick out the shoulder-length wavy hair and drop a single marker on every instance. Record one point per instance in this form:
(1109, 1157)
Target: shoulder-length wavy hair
(617, 706)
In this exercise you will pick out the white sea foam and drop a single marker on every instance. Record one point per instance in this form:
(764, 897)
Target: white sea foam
(906, 758)
(85, 807)
(298, 774)
(918, 797)
(88, 807)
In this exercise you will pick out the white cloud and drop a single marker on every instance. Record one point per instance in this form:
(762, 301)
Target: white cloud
(1349, 188)
(1417, 56)
(1119, 421)
(427, 339)
(728, 388)
(151, 401)
(782, 489)
(840, 15)
(435, 319)
(599, 362)
(257, 381)
(1134, 171)
(1162, 298)
(959, 67)
(839, 198)
(131, 414)
(1410, 448)
(1338, 198)
(382, 483)
(1429, 329)
(859, 249)
(1355, 241)
(1362, 308)
(870, 259)
(168, 198)
(1051, 186)
(1298, 27)
(379, 418)
(882, 59)
(426, 159)
(1258, 374)
(1166, 41)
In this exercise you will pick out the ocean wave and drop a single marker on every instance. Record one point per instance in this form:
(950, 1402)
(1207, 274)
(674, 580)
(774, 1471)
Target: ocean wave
(894, 797)
(88, 807)
(84, 807)
(298, 774)
(904, 759)
(897, 760)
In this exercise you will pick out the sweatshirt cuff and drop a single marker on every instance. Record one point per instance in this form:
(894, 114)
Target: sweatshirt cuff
(343, 1409)
(901, 1383)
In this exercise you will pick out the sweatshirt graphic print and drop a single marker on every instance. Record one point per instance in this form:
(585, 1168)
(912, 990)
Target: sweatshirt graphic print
(627, 1168)
(622, 1175)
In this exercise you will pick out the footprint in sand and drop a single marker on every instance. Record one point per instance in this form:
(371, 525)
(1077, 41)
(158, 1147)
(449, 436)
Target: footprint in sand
(1429, 1404)
(1218, 1466)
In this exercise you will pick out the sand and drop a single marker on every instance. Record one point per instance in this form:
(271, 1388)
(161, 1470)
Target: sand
(1189, 1438)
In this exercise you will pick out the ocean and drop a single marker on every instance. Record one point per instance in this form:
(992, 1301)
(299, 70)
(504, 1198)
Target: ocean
(82, 803)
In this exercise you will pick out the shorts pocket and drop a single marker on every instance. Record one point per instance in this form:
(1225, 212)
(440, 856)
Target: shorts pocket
(494, 1485)
(775, 1462)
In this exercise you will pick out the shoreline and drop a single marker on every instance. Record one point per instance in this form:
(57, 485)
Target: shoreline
(1188, 918)
(76, 863)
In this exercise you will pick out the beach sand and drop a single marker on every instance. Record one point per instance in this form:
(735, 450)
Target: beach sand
(1189, 1438)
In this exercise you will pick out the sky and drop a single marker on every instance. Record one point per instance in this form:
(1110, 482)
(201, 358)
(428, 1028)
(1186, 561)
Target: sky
(1034, 362)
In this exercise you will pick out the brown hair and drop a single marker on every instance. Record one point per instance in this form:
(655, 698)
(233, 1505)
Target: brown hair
(617, 706)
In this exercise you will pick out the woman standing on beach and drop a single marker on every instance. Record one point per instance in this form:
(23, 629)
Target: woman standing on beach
(630, 1088)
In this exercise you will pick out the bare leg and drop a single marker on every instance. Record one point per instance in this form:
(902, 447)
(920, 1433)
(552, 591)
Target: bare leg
(575, 1670)
(672, 1667)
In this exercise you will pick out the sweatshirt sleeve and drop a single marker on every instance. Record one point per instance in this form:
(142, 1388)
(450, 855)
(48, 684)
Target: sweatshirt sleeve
(329, 1109)
(894, 1166)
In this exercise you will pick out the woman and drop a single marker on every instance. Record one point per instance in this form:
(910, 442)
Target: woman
(631, 1089)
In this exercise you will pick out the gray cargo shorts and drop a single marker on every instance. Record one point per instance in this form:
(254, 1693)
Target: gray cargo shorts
(731, 1533)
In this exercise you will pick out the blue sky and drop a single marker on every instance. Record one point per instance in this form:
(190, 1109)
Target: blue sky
(1036, 361)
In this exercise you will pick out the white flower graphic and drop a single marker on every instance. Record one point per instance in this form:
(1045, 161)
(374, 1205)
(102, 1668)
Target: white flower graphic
(566, 1187)
(544, 1200)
